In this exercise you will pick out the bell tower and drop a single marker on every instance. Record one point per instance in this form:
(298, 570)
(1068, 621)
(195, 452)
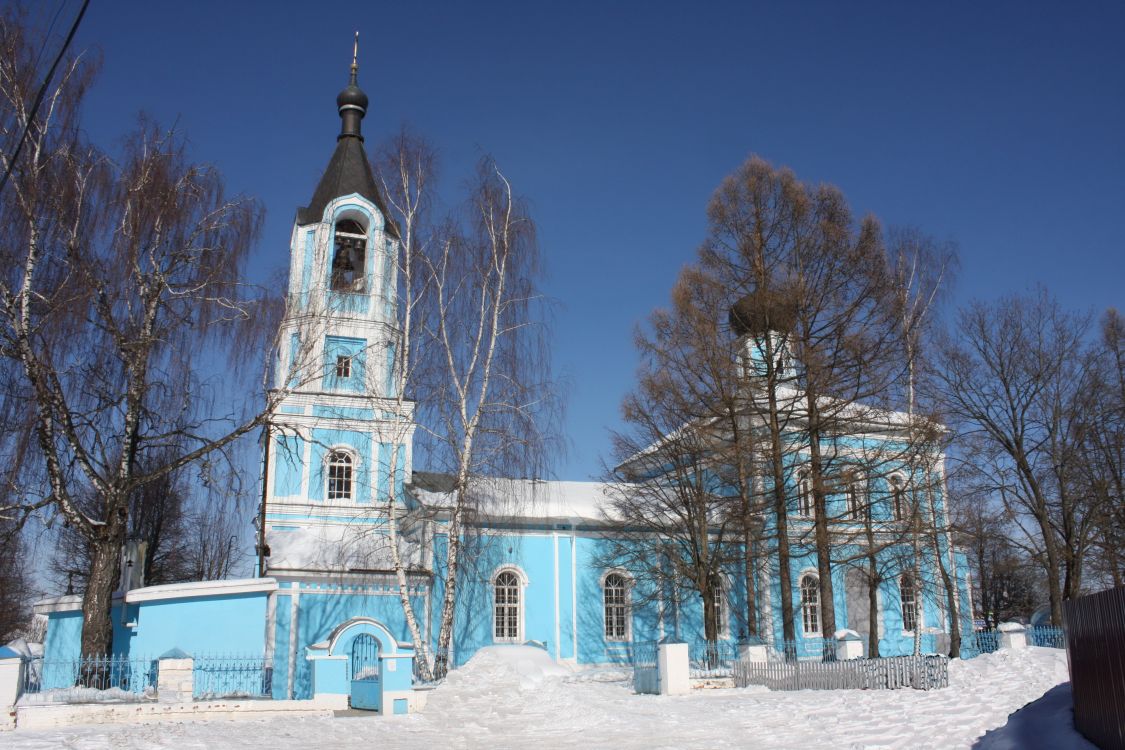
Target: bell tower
(340, 444)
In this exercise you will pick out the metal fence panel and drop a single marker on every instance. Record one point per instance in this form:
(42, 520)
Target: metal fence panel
(232, 676)
(71, 680)
(712, 658)
(1095, 644)
(646, 672)
(890, 673)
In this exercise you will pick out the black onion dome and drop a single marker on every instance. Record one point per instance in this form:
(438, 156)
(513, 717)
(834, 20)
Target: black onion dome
(352, 96)
(762, 311)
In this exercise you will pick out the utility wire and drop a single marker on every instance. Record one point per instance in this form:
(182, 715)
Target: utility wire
(42, 93)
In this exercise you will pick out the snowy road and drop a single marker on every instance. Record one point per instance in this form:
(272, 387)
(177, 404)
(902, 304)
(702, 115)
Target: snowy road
(511, 699)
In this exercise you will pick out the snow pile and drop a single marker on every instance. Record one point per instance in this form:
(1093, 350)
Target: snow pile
(506, 670)
(516, 697)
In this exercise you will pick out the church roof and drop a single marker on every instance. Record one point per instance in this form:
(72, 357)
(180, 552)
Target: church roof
(527, 500)
(348, 170)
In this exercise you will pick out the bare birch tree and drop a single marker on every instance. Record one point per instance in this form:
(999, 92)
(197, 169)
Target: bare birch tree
(119, 274)
(481, 377)
(919, 277)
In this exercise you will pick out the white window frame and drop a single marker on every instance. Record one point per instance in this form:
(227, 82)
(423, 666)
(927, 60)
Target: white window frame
(520, 591)
(353, 457)
(806, 503)
(722, 601)
(853, 497)
(805, 605)
(897, 486)
(918, 609)
(625, 605)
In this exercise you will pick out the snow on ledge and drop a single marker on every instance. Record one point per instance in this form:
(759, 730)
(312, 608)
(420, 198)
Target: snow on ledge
(201, 588)
(67, 603)
(1011, 627)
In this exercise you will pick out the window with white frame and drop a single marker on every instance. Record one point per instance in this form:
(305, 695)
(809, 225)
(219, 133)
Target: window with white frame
(616, 600)
(810, 604)
(718, 591)
(507, 613)
(804, 494)
(898, 498)
(341, 480)
(908, 592)
(854, 497)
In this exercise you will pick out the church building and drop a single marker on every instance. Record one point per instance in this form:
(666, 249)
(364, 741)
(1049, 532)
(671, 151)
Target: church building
(325, 604)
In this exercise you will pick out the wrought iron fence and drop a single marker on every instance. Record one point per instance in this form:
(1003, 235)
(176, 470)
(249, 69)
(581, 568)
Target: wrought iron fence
(980, 642)
(807, 649)
(712, 658)
(644, 654)
(888, 673)
(646, 671)
(90, 678)
(1047, 636)
(232, 676)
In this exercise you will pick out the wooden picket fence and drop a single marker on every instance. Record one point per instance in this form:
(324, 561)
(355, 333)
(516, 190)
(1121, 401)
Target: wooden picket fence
(889, 673)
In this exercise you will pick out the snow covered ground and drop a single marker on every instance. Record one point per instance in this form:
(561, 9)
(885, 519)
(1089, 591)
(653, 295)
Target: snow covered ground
(510, 697)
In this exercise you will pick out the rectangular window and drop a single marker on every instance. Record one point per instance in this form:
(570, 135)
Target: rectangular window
(804, 496)
(855, 504)
(344, 366)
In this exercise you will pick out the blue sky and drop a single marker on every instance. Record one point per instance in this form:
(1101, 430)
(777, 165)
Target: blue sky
(999, 126)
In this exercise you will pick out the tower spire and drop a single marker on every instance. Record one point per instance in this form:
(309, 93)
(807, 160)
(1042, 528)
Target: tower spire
(352, 102)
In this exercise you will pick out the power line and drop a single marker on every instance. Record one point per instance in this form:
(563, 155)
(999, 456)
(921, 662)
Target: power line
(42, 92)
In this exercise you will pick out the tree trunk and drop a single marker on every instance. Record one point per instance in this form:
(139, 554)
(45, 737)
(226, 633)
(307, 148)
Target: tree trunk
(780, 501)
(421, 648)
(750, 583)
(820, 511)
(97, 600)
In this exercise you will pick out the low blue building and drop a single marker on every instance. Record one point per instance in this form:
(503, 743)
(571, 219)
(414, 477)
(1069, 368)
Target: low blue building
(327, 605)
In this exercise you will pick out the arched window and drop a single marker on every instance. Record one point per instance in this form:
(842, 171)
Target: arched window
(349, 257)
(898, 498)
(616, 599)
(340, 483)
(908, 592)
(810, 604)
(804, 494)
(507, 613)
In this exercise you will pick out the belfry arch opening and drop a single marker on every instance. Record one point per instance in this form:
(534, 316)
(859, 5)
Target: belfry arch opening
(349, 257)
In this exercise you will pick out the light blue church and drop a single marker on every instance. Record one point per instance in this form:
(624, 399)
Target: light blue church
(324, 609)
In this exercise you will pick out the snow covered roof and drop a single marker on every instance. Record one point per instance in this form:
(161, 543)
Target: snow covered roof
(343, 547)
(522, 499)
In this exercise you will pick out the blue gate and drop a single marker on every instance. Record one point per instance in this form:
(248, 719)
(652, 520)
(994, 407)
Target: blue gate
(367, 688)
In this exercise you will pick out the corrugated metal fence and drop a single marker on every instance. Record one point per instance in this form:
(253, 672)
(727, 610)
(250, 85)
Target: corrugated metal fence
(1095, 643)
(889, 673)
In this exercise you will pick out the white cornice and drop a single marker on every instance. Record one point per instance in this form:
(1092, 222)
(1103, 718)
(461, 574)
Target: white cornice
(201, 588)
